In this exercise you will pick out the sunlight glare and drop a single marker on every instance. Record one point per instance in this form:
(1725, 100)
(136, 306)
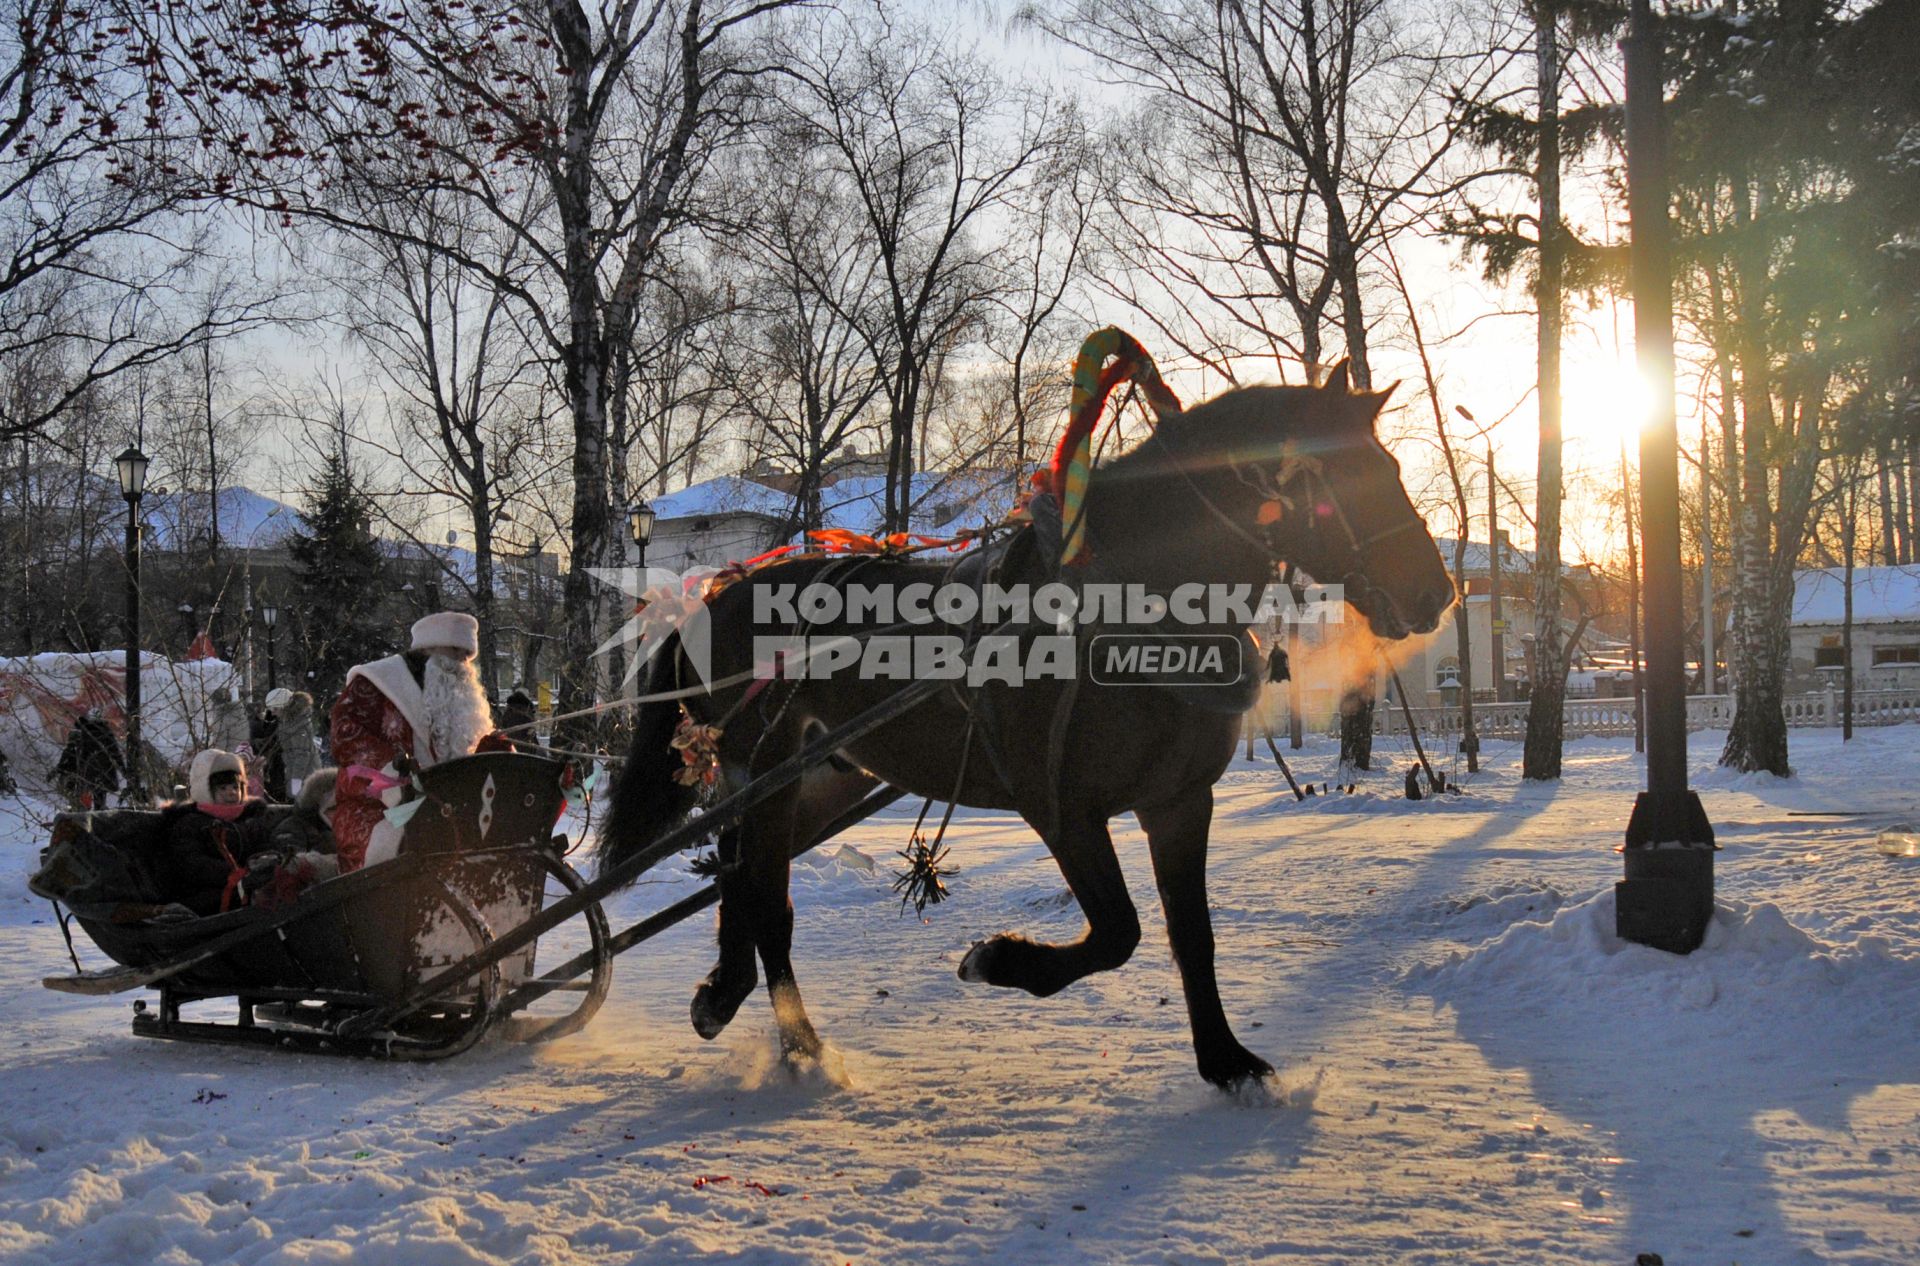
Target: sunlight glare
(1605, 402)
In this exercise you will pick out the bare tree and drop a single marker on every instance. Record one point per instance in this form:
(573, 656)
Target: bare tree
(932, 146)
(806, 379)
(612, 112)
(99, 222)
(676, 394)
(459, 367)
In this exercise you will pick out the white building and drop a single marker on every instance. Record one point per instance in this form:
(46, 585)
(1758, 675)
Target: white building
(733, 518)
(1886, 627)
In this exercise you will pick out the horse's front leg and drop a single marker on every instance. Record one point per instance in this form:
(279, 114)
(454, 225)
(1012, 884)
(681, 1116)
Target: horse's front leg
(1177, 838)
(761, 893)
(733, 977)
(1084, 852)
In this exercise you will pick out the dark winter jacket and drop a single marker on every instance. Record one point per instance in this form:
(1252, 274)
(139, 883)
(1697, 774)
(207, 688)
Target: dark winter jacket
(306, 829)
(203, 858)
(266, 750)
(517, 719)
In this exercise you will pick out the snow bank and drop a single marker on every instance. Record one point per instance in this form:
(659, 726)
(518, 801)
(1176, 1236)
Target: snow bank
(1754, 963)
(42, 695)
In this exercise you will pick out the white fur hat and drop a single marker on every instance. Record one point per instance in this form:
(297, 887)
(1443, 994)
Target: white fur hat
(278, 698)
(447, 628)
(208, 763)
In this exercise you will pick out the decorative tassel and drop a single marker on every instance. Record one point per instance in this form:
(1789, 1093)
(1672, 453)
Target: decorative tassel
(699, 748)
(921, 882)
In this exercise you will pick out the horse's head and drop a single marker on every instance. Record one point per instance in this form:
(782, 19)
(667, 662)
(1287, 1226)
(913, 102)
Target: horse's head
(1301, 468)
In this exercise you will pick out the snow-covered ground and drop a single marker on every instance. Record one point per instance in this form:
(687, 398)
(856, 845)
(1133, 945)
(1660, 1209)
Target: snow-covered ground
(1473, 1067)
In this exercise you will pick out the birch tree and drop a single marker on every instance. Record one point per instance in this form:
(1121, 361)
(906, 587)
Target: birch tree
(612, 111)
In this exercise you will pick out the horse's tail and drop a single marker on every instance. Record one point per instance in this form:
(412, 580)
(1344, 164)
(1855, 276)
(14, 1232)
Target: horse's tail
(647, 802)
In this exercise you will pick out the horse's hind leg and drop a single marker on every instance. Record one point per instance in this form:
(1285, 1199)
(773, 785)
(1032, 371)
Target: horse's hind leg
(733, 977)
(1084, 852)
(1177, 837)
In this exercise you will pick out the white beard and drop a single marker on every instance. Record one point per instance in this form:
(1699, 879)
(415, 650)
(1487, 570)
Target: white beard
(457, 710)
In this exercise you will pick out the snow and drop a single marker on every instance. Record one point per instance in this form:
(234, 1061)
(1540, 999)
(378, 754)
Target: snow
(1472, 1067)
(856, 503)
(248, 519)
(42, 695)
(1880, 595)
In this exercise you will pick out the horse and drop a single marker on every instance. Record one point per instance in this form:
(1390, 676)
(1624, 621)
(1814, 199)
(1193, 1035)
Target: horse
(1220, 494)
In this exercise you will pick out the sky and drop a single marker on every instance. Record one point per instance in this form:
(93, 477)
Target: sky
(1481, 340)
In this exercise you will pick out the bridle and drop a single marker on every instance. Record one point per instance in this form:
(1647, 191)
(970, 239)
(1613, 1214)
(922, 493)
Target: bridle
(1306, 471)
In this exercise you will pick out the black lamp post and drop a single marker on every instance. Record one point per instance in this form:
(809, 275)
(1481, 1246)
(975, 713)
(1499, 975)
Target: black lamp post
(269, 616)
(186, 618)
(640, 527)
(1666, 899)
(132, 469)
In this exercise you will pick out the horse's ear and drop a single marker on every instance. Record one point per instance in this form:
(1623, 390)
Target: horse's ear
(1365, 407)
(1338, 380)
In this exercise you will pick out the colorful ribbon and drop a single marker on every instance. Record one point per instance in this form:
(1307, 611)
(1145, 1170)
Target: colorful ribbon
(1072, 467)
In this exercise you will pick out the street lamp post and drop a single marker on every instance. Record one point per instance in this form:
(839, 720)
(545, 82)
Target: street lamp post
(186, 618)
(132, 469)
(640, 519)
(269, 616)
(1666, 898)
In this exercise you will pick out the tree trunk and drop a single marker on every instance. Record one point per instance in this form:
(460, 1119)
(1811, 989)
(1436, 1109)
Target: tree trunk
(1848, 531)
(1911, 519)
(1889, 532)
(1356, 726)
(586, 390)
(483, 599)
(1729, 453)
(1545, 702)
(1633, 608)
(1757, 739)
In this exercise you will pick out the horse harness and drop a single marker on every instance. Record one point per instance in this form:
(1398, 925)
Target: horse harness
(1272, 487)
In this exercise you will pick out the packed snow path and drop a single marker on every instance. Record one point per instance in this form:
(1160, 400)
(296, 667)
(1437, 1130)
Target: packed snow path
(1473, 1068)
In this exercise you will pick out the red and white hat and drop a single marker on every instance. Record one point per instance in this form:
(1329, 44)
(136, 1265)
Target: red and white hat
(456, 629)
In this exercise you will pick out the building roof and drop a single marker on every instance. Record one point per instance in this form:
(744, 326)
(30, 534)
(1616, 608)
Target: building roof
(1511, 560)
(1881, 595)
(942, 500)
(248, 519)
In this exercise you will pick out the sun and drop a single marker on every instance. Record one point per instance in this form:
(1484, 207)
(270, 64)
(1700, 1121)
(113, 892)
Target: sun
(1605, 401)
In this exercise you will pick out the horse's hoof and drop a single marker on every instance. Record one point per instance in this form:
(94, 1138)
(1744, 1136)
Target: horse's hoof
(711, 1013)
(1235, 1070)
(800, 1048)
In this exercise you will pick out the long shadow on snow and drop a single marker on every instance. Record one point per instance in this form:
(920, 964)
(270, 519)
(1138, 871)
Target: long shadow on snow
(1687, 1129)
(1234, 1128)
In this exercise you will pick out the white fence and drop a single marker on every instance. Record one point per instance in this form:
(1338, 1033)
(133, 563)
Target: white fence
(1606, 717)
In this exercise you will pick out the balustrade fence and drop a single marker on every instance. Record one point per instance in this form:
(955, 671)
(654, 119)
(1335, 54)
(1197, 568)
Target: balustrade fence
(1614, 717)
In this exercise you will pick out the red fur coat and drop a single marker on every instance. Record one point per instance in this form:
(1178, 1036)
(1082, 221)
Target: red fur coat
(370, 730)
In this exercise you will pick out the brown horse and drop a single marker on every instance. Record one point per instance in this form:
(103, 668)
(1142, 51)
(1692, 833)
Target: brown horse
(1195, 502)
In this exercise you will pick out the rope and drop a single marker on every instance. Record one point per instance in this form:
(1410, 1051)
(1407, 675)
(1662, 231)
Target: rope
(67, 932)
